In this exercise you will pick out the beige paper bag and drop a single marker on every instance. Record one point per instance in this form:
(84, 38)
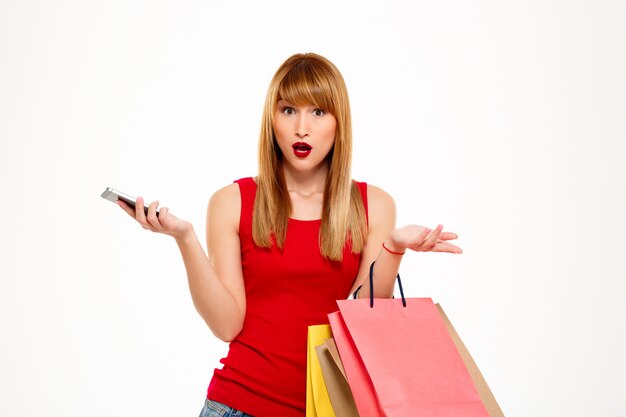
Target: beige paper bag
(336, 384)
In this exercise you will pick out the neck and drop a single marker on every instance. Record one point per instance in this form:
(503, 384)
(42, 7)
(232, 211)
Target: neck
(307, 182)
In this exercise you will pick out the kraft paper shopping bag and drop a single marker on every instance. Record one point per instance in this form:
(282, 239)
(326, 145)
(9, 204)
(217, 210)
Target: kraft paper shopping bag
(336, 384)
(334, 353)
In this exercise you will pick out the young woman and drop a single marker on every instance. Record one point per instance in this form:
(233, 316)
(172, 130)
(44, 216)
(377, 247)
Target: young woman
(285, 245)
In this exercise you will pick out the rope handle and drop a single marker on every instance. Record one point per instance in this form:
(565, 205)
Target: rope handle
(372, 287)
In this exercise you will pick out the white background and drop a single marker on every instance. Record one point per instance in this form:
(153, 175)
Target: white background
(504, 121)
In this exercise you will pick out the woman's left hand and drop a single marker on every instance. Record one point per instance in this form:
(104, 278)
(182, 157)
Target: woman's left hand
(422, 239)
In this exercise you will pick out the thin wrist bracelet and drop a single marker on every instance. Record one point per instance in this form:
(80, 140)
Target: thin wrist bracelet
(390, 251)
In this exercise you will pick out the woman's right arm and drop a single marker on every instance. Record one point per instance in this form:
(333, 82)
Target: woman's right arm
(216, 281)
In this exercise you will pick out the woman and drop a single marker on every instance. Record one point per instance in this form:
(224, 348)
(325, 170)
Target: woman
(285, 245)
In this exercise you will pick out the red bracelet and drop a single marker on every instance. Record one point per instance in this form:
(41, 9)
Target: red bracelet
(390, 251)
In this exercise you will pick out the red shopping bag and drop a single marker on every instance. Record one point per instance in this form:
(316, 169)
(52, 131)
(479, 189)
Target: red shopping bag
(401, 361)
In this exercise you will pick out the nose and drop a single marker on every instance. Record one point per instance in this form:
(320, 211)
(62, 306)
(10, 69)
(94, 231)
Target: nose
(302, 127)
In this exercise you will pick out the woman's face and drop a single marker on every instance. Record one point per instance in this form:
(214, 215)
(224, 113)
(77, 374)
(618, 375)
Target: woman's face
(305, 134)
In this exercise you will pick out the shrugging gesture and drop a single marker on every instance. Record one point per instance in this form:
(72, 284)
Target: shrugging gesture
(421, 239)
(387, 245)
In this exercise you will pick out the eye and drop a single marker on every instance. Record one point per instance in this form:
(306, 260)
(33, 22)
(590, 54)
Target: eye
(318, 112)
(289, 111)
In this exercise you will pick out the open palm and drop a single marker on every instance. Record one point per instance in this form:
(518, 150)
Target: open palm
(422, 239)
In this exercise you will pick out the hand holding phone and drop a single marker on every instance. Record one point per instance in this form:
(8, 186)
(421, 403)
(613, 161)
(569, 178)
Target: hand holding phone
(113, 195)
(165, 223)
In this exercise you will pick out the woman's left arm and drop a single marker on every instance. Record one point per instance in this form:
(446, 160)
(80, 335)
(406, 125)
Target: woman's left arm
(382, 231)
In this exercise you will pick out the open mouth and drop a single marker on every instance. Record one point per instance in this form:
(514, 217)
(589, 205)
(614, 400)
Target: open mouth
(301, 149)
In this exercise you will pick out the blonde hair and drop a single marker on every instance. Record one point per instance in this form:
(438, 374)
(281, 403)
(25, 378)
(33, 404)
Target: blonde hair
(309, 78)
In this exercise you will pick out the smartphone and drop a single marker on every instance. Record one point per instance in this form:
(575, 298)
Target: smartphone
(114, 195)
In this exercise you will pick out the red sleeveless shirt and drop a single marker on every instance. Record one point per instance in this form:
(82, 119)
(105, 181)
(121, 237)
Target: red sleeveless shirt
(264, 373)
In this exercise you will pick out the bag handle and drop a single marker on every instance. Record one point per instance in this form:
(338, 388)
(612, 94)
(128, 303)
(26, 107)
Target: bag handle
(372, 287)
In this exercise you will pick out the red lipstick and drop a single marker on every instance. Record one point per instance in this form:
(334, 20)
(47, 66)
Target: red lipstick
(301, 149)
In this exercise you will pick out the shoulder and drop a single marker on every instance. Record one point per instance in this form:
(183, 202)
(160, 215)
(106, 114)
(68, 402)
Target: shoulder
(227, 195)
(379, 197)
(225, 204)
(231, 194)
(381, 204)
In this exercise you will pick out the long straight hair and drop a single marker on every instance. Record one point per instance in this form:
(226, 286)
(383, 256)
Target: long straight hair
(301, 79)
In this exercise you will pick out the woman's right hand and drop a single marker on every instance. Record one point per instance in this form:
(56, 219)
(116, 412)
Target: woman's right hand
(165, 223)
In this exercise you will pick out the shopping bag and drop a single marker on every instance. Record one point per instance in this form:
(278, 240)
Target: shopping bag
(484, 392)
(317, 400)
(336, 383)
(334, 353)
(400, 359)
(359, 381)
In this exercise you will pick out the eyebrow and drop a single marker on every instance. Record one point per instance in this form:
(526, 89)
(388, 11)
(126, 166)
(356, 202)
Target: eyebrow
(285, 102)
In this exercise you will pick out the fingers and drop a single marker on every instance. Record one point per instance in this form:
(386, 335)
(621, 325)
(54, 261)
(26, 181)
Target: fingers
(442, 246)
(436, 241)
(149, 222)
(448, 236)
(423, 234)
(427, 240)
(432, 238)
(128, 209)
(152, 217)
(140, 216)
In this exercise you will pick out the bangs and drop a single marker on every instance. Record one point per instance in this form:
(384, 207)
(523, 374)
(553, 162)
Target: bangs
(308, 83)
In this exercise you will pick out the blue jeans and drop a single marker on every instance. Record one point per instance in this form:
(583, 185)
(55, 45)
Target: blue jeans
(214, 409)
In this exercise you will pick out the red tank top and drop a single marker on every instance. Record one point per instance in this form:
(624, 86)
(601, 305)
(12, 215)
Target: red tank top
(264, 373)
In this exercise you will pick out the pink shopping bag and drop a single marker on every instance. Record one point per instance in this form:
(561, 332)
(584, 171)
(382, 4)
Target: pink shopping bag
(401, 361)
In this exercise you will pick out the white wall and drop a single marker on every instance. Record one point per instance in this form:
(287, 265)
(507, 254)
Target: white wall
(505, 121)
